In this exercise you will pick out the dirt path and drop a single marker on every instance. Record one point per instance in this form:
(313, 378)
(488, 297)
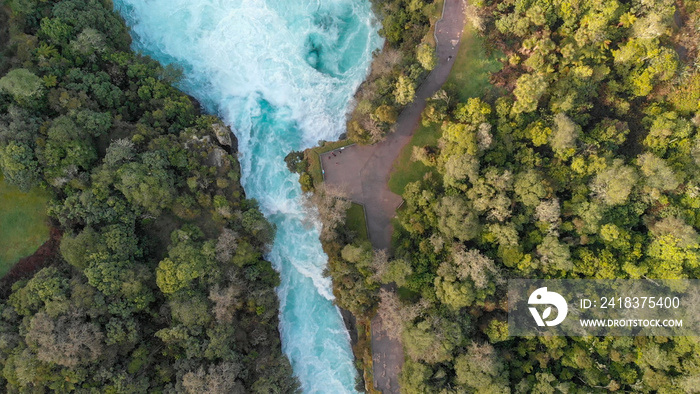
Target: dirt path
(363, 171)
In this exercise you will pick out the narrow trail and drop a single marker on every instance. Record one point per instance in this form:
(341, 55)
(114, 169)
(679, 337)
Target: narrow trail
(363, 171)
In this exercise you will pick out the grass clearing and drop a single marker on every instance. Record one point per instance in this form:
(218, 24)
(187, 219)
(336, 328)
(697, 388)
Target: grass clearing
(469, 78)
(23, 224)
(357, 222)
(405, 170)
(473, 66)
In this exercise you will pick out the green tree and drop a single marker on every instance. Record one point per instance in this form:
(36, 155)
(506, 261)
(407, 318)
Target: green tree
(658, 174)
(530, 187)
(614, 184)
(554, 254)
(414, 377)
(23, 85)
(432, 342)
(564, 135)
(76, 250)
(48, 286)
(425, 53)
(481, 369)
(19, 166)
(147, 184)
(186, 262)
(529, 89)
(456, 219)
(405, 90)
(386, 114)
(68, 148)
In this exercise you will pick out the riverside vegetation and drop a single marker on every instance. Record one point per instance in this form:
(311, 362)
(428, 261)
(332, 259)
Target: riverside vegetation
(407, 57)
(409, 53)
(584, 165)
(162, 286)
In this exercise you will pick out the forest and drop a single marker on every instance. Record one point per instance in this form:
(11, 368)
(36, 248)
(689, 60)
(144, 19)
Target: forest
(160, 285)
(586, 165)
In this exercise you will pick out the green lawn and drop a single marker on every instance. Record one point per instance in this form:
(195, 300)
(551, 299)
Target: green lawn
(469, 78)
(406, 171)
(473, 66)
(356, 221)
(23, 224)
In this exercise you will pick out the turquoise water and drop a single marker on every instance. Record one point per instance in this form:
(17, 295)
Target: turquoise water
(282, 73)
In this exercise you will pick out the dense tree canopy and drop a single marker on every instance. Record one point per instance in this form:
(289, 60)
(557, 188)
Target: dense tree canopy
(582, 169)
(160, 285)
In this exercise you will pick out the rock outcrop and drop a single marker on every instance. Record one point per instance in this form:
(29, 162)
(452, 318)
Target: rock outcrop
(225, 137)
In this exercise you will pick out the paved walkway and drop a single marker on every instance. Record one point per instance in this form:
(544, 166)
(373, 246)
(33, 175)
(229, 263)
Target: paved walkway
(363, 171)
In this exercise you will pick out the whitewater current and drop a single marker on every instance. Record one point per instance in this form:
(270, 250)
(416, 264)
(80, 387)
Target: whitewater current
(282, 74)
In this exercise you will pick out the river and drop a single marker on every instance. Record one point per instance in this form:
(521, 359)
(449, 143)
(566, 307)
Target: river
(282, 74)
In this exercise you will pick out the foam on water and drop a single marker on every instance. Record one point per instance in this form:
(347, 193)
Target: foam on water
(282, 73)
